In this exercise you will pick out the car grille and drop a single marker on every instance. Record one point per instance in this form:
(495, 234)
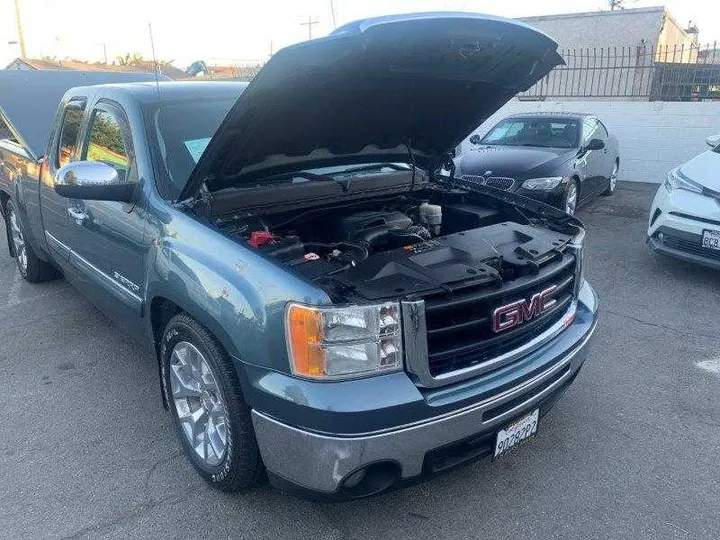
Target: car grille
(459, 324)
(690, 246)
(497, 182)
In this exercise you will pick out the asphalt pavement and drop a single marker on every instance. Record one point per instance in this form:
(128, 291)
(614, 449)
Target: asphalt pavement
(631, 451)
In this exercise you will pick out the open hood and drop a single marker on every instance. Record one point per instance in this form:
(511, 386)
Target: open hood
(372, 91)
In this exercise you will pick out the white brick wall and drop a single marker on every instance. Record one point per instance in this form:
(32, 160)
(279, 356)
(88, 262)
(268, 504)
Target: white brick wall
(654, 137)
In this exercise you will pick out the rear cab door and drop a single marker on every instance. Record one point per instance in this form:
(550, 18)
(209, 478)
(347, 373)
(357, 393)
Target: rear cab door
(64, 148)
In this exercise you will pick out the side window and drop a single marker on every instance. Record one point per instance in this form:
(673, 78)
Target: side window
(69, 132)
(109, 142)
(588, 129)
(601, 132)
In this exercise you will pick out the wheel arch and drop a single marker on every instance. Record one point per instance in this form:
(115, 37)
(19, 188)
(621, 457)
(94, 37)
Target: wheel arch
(162, 308)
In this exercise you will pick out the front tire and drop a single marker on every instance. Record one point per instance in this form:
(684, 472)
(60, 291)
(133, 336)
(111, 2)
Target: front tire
(612, 185)
(570, 197)
(210, 416)
(31, 268)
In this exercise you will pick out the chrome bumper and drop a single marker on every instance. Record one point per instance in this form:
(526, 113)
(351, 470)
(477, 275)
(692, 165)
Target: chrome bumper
(320, 463)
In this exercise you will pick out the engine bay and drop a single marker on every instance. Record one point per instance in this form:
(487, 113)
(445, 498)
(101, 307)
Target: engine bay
(403, 245)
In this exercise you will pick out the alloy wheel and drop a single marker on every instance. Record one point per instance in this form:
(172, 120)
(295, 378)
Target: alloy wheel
(613, 177)
(198, 403)
(18, 241)
(571, 198)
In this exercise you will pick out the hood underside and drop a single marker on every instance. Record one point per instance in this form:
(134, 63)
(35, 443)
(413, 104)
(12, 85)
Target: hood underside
(372, 91)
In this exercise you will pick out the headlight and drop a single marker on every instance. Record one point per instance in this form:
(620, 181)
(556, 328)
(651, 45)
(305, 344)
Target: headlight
(542, 183)
(675, 181)
(344, 342)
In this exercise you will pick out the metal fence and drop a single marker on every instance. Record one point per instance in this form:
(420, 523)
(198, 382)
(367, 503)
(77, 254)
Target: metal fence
(661, 73)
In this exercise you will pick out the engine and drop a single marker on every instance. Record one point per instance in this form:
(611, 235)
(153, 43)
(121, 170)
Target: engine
(399, 245)
(341, 239)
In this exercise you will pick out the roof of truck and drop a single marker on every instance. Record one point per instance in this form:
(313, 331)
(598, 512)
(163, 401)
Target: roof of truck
(29, 99)
(151, 92)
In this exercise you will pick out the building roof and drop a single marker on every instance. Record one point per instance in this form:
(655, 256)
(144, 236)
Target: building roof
(621, 28)
(62, 65)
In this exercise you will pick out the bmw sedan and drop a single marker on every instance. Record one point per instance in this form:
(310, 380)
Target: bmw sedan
(558, 158)
(685, 214)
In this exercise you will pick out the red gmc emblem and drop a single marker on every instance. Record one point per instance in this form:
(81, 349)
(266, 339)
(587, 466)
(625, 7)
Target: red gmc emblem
(510, 315)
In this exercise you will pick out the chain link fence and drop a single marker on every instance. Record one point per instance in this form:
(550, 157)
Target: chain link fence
(661, 73)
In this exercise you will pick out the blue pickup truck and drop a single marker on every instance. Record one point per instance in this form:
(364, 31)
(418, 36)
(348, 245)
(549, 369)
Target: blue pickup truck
(325, 301)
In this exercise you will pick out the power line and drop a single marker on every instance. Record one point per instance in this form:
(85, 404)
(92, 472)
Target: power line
(332, 11)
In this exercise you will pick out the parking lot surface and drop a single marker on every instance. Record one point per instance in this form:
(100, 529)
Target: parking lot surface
(631, 451)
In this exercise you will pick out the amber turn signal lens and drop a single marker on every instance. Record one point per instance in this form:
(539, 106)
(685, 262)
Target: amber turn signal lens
(304, 340)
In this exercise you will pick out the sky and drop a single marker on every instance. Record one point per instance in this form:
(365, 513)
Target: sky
(236, 31)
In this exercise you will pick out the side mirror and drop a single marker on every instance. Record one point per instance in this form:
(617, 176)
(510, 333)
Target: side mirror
(713, 141)
(94, 181)
(475, 139)
(595, 144)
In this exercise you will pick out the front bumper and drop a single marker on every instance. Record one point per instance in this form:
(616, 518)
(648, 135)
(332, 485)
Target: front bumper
(321, 465)
(553, 197)
(677, 221)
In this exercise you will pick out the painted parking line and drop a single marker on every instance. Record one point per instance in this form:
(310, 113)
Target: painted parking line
(713, 366)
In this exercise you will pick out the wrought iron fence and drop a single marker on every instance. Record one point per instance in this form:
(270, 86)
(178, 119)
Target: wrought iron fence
(656, 73)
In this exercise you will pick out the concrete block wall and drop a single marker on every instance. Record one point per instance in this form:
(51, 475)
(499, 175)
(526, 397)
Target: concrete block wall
(654, 137)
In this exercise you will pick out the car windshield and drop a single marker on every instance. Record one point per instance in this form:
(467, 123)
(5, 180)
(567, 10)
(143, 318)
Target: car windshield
(183, 130)
(542, 132)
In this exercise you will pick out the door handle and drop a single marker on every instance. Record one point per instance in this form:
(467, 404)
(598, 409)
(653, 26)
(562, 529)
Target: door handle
(77, 214)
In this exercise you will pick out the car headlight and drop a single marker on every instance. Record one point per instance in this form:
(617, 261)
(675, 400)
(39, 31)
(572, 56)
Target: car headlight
(675, 181)
(344, 342)
(542, 183)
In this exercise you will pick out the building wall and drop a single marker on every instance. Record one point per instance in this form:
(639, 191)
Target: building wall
(654, 137)
(620, 28)
(674, 43)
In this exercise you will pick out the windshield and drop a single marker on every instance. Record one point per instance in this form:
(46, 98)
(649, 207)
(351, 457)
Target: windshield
(183, 130)
(542, 132)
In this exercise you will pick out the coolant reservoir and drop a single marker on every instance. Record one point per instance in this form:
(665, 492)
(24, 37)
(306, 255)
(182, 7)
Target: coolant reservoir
(431, 217)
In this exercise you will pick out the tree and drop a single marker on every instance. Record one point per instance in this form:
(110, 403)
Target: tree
(130, 59)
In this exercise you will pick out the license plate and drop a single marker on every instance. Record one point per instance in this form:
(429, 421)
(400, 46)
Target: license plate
(711, 239)
(516, 433)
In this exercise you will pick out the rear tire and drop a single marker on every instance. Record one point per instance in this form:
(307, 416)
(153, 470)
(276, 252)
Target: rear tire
(210, 415)
(31, 268)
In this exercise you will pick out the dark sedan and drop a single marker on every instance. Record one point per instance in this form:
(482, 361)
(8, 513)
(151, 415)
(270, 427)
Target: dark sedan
(560, 159)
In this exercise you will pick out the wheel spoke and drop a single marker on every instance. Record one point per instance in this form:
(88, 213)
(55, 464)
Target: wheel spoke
(183, 386)
(213, 438)
(195, 421)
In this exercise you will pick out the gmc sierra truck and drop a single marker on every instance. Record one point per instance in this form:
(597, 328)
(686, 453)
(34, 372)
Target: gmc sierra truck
(325, 300)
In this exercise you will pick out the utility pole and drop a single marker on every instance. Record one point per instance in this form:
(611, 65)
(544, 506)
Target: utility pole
(310, 23)
(21, 34)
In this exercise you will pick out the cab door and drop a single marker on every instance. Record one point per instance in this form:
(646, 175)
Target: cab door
(64, 148)
(106, 237)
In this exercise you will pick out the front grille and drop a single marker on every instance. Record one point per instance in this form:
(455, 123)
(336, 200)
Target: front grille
(690, 246)
(497, 182)
(459, 324)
